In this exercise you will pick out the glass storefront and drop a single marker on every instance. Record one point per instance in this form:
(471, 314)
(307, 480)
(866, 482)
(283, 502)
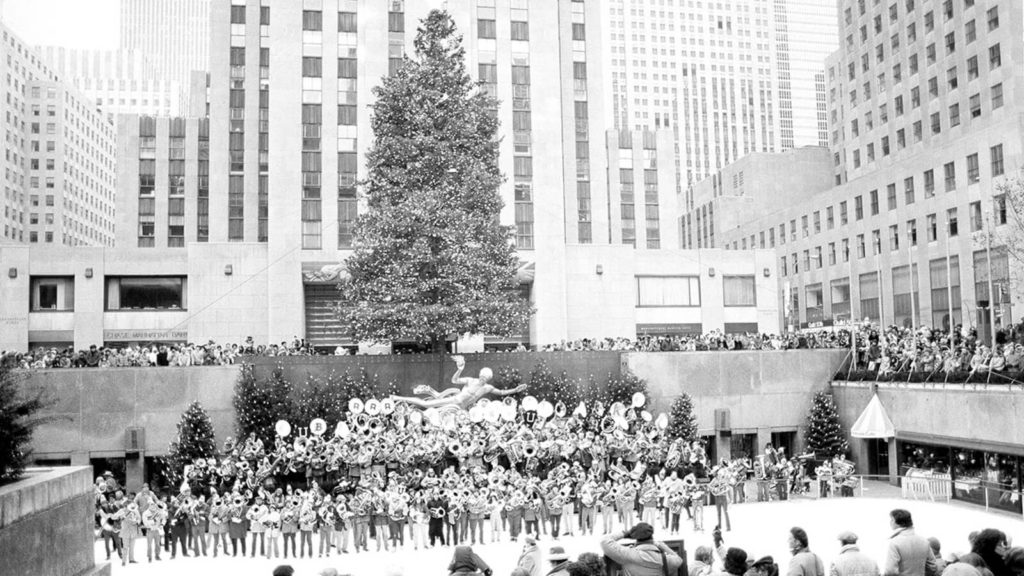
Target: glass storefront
(980, 477)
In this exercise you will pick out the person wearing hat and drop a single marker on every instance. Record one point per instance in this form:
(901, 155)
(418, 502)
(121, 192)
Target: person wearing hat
(529, 559)
(908, 554)
(647, 557)
(804, 562)
(559, 562)
(851, 561)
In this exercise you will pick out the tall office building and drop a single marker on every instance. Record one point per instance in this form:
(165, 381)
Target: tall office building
(118, 81)
(174, 35)
(728, 78)
(925, 115)
(59, 167)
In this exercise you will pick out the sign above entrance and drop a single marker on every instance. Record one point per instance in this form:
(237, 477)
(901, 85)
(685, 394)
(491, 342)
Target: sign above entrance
(144, 335)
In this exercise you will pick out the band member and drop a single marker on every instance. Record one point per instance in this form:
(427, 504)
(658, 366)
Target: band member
(257, 525)
(130, 522)
(437, 509)
(110, 522)
(326, 526)
(290, 524)
(219, 520)
(497, 508)
(588, 502)
(199, 513)
(273, 533)
(153, 520)
(180, 522)
(380, 521)
(697, 496)
(360, 521)
(722, 481)
(419, 518)
(307, 524)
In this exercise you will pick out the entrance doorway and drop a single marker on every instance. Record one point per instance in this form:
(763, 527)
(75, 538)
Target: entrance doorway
(878, 457)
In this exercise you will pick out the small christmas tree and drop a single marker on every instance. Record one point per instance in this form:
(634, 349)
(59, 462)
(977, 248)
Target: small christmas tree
(195, 439)
(682, 422)
(824, 436)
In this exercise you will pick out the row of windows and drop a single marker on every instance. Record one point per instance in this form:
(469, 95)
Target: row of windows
(684, 291)
(812, 224)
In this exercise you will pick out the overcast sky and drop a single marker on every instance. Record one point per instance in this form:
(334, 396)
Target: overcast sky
(72, 23)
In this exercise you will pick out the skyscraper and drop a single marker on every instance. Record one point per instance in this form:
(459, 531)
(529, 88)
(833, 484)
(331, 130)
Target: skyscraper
(59, 169)
(174, 35)
(729, 78)
(118, 81)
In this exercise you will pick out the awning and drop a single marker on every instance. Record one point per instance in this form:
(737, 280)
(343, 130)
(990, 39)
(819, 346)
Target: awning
(873, 422)
(526, 272)
(323, 272)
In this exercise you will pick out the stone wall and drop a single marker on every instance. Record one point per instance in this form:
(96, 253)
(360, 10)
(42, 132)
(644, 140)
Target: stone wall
(94, 407)
(761, 390)
(982, 416)
(46, 524)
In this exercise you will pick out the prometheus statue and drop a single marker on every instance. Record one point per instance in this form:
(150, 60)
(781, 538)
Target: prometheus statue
(472, 390)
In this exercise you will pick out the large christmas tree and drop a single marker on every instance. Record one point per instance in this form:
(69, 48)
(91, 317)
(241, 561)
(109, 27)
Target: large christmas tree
(195, 439)
(682, 421)
(824, 436)
(431, 258)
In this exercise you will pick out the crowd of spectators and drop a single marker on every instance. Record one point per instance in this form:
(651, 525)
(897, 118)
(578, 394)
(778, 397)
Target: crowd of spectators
(987, 552)
(884, 354)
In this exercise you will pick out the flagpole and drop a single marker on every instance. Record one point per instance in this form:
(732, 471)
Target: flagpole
(949, 289)
(913, 284)
(991, 293)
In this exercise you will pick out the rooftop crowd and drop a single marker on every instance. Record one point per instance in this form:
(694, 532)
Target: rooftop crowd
(881, 353)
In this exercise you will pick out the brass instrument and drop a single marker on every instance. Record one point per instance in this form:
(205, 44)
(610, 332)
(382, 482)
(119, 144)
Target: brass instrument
(437, 512)
(375, 426)
(720, 485)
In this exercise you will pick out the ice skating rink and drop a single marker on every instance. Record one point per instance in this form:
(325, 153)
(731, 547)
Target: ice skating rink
(759, 528)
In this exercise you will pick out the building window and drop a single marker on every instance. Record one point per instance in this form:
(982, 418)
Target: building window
(486, 28)
(54, 294)
(347, 22)
(520, 31)
(995, 58)
(662, 291)
(908, 190)
(973, 170)
(312, 20)
(997, 96)
(999, 209)
(739, 291)
(146, 293)
(950, 173)
(873, 195)
(996, 153)
(933, 228)
(952, 227)
(976, 219)
(396, 21)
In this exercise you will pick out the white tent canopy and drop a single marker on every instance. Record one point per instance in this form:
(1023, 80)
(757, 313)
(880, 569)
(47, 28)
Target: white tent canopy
(873, 422)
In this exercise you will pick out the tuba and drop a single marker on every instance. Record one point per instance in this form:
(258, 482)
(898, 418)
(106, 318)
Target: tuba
(720, 485)
(375, 426)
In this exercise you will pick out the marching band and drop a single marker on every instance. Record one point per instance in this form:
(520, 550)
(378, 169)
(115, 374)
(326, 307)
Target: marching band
(448, 476)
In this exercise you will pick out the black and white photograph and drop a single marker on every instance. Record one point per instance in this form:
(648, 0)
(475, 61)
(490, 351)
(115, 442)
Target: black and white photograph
(512, 288)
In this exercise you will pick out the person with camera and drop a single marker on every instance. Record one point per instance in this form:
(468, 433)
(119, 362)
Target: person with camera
(646, 557)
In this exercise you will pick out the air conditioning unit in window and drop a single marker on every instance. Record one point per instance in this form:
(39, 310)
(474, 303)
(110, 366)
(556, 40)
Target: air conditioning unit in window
(722, 420)
(134, 439)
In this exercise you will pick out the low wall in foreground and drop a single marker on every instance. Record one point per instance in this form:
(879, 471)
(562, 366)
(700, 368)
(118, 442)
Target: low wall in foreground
(46, 524)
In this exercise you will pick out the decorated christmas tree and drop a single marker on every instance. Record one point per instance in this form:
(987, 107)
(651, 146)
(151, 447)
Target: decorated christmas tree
(260, 403)
(431, 258)
(682, 420)
(824, 436)
(195, 439)
(17, 420)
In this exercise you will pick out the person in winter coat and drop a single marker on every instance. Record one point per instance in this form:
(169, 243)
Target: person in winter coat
(851, 561)
(646, 558)
(909, 554)
(466, 562)
(804, 562)
(559, 562)
(529, 559)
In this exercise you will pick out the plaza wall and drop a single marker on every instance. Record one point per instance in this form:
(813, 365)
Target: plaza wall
(985, 417)
(93, 408)
(46, 524)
